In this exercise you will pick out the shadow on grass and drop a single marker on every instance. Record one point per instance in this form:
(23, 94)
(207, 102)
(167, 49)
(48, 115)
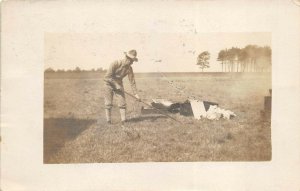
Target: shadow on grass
(59, 130)
(143, 118)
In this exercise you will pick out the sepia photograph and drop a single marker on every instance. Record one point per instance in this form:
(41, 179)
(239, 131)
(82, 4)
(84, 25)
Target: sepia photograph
(149, 97)
(126, 95)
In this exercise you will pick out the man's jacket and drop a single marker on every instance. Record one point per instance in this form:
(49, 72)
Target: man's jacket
(117, 71)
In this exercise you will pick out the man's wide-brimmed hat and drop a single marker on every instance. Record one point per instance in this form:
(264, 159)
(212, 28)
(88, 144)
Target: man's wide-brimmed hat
(132, 54)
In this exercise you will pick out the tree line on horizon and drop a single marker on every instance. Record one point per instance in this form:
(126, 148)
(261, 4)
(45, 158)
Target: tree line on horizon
(251, 58)
(75, 70)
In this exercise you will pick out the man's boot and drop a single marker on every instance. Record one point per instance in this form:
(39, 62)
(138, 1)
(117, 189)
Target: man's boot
(123, 115)
(108, 115)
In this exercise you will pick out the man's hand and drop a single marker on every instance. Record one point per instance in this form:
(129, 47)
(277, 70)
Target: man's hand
(118, 87)
(137, 97)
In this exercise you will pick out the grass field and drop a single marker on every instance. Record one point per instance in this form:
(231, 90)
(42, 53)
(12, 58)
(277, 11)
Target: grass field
(75, 130)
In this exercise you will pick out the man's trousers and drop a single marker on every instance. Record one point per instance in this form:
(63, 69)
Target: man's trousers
(109, 93)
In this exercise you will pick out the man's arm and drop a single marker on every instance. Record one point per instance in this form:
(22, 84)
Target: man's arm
(132, 80)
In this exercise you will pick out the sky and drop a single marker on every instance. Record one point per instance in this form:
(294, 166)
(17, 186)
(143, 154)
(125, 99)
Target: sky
(157, 52)
(174, 32)
(163, 52)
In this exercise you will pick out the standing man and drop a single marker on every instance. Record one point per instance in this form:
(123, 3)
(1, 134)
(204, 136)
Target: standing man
(114, 84)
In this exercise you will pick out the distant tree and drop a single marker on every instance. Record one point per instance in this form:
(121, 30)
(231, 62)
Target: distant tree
(242, 57)
(226, 61)
(263, 59)
(99, 70)
(60, 70)
(230, 58)
(77, 69)
(49, 70)
(222, 58)
(251, 56)
(203, 60)
(235, 59)
(268, 54)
